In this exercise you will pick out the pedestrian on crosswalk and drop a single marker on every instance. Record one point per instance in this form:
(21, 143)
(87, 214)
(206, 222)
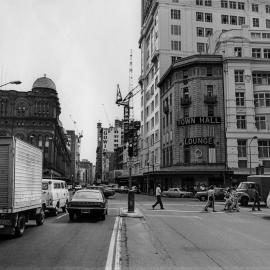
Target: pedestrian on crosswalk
(210, 199)
(158, 196)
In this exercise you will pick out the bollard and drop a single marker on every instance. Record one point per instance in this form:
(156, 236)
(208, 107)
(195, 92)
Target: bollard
(131, 201)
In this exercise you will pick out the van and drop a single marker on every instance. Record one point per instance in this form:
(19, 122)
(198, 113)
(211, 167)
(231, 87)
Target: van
(55, 195)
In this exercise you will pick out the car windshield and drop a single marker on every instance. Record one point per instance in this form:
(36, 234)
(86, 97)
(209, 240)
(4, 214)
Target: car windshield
(45, 186)
(243, 186)
(87, 195)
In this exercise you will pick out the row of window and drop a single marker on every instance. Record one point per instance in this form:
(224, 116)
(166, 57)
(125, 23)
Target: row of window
(154, 121)
(263, 148)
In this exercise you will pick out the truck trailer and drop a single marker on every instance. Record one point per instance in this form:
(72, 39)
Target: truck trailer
(20, 185)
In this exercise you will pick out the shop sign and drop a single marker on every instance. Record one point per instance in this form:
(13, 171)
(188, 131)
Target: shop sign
(208, 120)
(199, 141)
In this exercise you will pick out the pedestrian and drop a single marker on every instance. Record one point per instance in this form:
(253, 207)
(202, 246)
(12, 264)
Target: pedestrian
(158, 196)
(235, 204)
(256, 200)
(210, 199)
(228, 200)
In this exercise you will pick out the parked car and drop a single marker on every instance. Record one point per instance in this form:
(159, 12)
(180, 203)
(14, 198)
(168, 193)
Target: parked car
(177, 193)
(219, 194)
(55, 195)
(106, 190)
(88, 202)
(122, 189)
(268, 200)
(78, 187)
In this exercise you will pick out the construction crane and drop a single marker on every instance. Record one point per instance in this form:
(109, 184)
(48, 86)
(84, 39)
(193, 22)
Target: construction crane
(80, 134)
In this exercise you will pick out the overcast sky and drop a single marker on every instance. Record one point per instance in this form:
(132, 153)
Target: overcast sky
(83, 46)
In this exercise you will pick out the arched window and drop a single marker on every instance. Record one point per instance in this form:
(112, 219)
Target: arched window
(47, 142)
(40, 141)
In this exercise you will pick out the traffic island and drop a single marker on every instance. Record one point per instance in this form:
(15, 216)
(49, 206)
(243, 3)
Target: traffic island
(135, 214)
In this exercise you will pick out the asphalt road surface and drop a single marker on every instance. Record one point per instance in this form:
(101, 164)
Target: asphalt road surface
(179, 237)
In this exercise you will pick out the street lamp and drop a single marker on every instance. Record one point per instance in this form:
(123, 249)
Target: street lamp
(12, 82)
(253, 138)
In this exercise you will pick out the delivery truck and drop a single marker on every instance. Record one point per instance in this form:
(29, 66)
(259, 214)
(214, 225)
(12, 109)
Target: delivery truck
(20, 185)
(245, 190)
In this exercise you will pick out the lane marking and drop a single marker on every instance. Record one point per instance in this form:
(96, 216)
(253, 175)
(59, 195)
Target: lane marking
(172, 210)
(117, 265)
(109, 262)
(172, 216)
(62, 216)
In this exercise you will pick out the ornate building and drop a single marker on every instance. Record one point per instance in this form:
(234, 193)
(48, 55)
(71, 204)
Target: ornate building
(33, 116)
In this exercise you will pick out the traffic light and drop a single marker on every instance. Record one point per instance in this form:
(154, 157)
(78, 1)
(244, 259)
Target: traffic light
(130, 150)
(135, 145)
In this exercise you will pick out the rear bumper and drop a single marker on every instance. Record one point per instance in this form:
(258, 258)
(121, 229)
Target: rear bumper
(86, 210)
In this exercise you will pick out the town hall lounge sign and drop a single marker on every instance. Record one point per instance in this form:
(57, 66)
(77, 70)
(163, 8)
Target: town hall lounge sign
(201, 120)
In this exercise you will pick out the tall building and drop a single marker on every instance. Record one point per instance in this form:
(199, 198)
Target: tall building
(85, 172)
(171, 30)
(33, 116)
(246, 65)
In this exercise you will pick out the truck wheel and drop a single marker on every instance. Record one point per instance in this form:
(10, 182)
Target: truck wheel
(55, 211)
(40, 218)
(244, 201)
(19, 230)
(71, 216)
(64, 208)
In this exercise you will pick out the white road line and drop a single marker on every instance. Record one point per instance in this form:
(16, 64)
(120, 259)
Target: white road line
(173, 210)
(172, 216)
(117, 265)
(109, 262)
(62, 216)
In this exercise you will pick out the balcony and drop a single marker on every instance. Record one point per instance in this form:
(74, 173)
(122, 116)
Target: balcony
(185, 101)
(210, 99)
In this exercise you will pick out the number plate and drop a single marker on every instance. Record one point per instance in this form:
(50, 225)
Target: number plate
(86, 211)
(5, 222)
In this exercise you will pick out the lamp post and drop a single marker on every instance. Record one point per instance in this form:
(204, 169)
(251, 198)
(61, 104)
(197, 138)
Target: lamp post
(12, 82)
(253, 138)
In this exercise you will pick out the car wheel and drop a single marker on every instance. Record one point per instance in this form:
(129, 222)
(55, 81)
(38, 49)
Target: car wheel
(40, 218)
(71, 216)
(19, 230)
(203, 198)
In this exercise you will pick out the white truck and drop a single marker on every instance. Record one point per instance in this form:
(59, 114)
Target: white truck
(20, 185)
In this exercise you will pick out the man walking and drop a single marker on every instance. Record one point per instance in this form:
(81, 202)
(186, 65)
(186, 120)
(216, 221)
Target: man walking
(211, 199)
(158, 196)
(256, 200)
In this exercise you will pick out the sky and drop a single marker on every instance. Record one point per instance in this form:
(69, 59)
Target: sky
(83, 46)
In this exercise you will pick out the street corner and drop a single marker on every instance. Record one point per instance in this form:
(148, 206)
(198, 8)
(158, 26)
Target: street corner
(136, 214)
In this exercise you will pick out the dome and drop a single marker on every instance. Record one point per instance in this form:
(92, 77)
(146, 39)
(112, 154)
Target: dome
(44, 82)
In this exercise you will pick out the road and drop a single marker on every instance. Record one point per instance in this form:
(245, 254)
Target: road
(179, 237)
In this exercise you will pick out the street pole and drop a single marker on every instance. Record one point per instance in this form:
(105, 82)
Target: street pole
(253, 138)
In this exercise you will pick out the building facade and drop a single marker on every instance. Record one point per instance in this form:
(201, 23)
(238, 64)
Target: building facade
(193, 149)
(85, 173)
(33, 116)
(171, 30)
(246, 65)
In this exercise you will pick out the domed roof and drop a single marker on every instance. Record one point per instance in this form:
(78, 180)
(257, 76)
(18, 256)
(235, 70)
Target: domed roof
(44, 82)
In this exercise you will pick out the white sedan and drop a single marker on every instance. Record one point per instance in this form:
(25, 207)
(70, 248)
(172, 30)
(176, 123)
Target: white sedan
(177, 193)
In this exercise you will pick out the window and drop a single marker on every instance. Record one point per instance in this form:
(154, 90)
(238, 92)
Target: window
(200, 32)
(199, 16)
(267, 24)
(208, 3)
(186, 112)
(224, 3)
(240, 99)
(176, 30)
(208, 32)
(261, 78)
(210, 90)
(264, 149)
(208, 17)
(233, 20)
(200, 47)
(256, 52)
(187, 155)
(262, 100)
(266, 53)
(242, 148)
(241, 20)
(199, 2)
(175, 14)
(176, 45)
(238, 51)
(175, 59)
(156, 100)
(256, 22)
(260, 122)
(210, 110)
(239, 76)
(232, 4)
(224, 19)
(209, 71)
(175, 1)
(241, 121)
(156, 118)
(267, 8)
(255, 7)
(241, 5)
